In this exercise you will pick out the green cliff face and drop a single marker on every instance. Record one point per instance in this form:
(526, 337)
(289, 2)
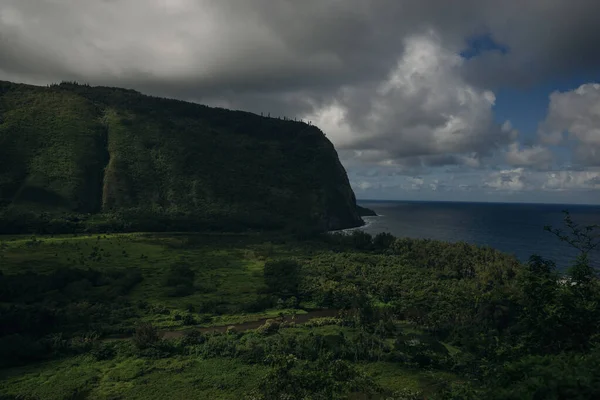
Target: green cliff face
(98, 150)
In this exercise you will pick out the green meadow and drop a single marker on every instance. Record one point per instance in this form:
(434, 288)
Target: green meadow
(346, 316)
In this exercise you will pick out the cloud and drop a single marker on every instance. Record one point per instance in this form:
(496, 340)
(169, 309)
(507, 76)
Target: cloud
(422, 113)
(211, 49)
(286, 57)
(384, 79)
(572, 180)
(544, 39)
(575, 116)
(511, 180)
(416, 182)
(521, 179)
(530, 156)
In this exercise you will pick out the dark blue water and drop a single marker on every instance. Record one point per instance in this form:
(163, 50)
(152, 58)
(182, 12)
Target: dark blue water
(513, 228)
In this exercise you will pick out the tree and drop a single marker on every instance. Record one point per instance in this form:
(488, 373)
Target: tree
(383, 240)
(562, 313)
(361, 240)
(282, 277)
(583, 238)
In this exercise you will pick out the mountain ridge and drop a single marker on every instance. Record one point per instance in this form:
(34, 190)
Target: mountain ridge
(72, 148)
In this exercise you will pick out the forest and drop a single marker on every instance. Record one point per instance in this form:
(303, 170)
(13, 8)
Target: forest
(279, 316)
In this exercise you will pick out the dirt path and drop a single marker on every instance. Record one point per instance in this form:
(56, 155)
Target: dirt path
(244, 326)
(241, 327)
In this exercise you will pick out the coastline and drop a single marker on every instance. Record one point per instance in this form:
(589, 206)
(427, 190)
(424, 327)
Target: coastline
(367, 221)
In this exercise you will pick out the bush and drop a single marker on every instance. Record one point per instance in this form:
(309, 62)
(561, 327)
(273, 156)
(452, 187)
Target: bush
(422, 351)
(188, 319)
(383, 241)
(564, 376)
(327, 378)
(282, 277)
(231, 330)
(270, 326)
(146, 336)
(361, 240)
(259, 304)
(323, 321)
(103, 351)
(292, 302)
(193, 338)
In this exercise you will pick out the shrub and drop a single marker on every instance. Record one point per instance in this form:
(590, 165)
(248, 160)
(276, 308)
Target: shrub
(327, 378)
(103, 351)
(231, 330)
(192, 338)
(146, 336)
(361, 240)
(282, 277)
(292, 302)
(188, 319)
(383, 241)
(270, 326)
(259, 304)
(324, 321)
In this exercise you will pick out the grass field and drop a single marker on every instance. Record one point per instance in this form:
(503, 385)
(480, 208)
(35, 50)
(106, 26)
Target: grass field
(228, 281)
(133, 378)
(227, 273)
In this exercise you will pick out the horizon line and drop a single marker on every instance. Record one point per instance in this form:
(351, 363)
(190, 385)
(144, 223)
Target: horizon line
(477, 202)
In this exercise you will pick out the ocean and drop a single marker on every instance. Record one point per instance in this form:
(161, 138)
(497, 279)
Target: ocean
(510, 227)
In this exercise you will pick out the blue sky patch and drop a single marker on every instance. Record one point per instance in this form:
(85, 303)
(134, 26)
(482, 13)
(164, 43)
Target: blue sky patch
(476, 45)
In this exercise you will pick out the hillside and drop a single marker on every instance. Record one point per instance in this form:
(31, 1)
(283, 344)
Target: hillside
(74, 149)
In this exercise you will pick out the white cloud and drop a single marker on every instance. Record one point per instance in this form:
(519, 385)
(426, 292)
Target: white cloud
(572, 180)
(422, 113)
(385, 90)
(416, 183)
(532, 156)
(575, 115)
(521, 179)
(363, 185)
(510, 180)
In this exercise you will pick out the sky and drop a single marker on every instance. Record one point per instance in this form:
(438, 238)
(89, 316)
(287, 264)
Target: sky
(463, 100)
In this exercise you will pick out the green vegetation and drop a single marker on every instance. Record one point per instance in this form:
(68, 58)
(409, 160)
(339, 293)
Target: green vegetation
(170, 316)
(282, 277)
(75, 158)
(90, 310)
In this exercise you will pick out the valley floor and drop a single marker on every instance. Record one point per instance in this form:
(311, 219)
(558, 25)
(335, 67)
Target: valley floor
(219, 316)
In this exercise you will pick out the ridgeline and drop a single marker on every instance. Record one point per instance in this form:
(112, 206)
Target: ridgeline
(75, 157)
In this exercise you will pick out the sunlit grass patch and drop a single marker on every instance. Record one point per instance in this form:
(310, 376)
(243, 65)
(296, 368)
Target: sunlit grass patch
(132, 378)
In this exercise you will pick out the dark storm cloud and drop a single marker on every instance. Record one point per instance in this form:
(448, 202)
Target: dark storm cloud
(381, 77)
(285, 45)
(545, 38)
